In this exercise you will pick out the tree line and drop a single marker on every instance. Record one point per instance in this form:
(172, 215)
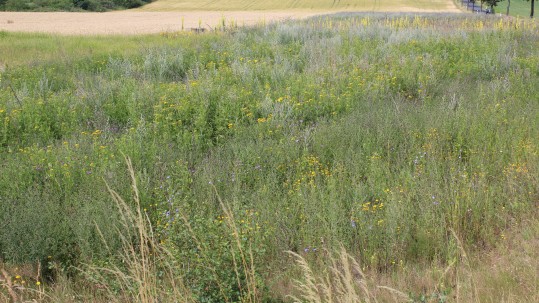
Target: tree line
(69, 5)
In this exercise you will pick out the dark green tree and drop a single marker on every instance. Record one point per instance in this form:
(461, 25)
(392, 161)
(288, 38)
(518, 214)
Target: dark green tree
(38, 5)
(69, 5)
(491, 3)
(16, 5)
(130, 3)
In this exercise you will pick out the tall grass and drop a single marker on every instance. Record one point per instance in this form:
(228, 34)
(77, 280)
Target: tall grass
(391, 135)
(139, 255)
(345, 282)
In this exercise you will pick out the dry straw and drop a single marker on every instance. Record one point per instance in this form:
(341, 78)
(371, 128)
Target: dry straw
(342, 282)
(141, 259)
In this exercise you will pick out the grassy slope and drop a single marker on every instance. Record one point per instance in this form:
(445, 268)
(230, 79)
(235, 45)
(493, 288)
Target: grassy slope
(29, 49)
(362, 5)
(519, 8)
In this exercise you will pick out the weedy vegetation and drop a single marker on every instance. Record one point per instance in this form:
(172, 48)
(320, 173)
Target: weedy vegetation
(347, 158)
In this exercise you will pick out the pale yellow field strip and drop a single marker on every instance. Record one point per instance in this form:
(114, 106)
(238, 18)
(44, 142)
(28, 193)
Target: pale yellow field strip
(180, 17)
(352, 5)
(133, 23)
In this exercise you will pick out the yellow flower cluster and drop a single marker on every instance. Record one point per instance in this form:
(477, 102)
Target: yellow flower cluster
(516, 168)
(372, 207)
(308, 169)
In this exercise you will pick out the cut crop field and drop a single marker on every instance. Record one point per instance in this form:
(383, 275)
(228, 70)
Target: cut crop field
(169, 16)
(345, 158)
(135, 23)
(355, 5)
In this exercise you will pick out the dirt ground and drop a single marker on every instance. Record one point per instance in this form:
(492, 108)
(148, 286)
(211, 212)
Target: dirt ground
(132, 22)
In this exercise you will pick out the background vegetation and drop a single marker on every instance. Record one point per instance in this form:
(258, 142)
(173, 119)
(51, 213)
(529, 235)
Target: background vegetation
(69, 5)
(407, 140)
(518, 8)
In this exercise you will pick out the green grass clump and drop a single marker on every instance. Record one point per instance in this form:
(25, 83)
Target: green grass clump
(518, 8)
(403, 138)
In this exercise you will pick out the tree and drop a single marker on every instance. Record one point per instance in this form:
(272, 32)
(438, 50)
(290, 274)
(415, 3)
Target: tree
(532, 8)
(131, 3)
(15, 5)
(69, 5)
(38, 5)
(491, 3)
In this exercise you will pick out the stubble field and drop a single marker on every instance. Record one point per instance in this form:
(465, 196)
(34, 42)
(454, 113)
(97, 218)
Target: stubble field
(353, 5)
(177, 15)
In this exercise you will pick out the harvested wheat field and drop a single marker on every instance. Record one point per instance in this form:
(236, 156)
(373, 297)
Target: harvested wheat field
(131, 23)
(333, 5)
(169, 16)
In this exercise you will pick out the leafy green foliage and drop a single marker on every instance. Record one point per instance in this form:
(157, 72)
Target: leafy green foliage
(69, 5)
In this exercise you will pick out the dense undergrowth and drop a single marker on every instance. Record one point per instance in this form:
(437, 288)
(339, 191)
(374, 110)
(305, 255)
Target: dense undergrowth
(405, 139)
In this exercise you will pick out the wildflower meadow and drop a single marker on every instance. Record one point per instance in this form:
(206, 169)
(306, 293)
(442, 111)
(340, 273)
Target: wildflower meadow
(284, 162)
